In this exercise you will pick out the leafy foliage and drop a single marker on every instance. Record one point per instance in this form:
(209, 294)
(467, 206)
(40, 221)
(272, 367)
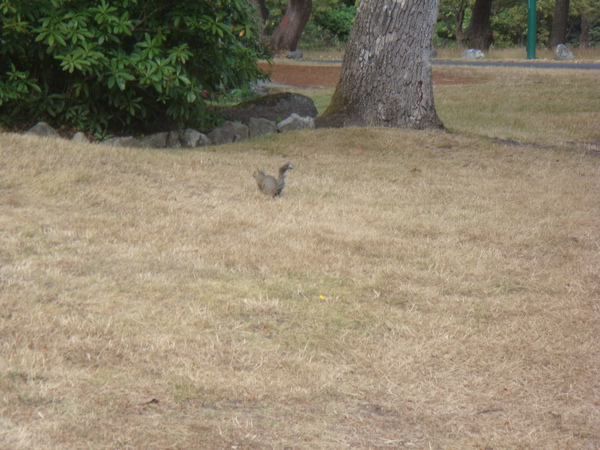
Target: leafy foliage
(112, 66)
(595, 34)
(337, 21)
(453, 18)
(332, 20)
(509, 22)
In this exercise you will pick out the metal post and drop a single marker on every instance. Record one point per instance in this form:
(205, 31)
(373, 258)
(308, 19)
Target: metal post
(531, 28)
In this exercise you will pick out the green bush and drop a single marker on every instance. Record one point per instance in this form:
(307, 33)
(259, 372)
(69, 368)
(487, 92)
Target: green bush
(338, 22)
(595, 35)
(130, 65)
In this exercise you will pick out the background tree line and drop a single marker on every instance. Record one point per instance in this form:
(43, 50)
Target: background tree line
(466, 23)
(573, 22)
(140, 65)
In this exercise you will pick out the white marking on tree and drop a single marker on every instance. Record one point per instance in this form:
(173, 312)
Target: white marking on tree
(382, 41)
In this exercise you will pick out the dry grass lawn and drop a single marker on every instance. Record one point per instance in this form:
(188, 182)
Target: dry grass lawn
(411, 289)
(590, 54)
(548, 107)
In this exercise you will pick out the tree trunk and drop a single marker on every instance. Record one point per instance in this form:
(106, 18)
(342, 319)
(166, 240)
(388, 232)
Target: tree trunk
(584, 40)
(586, 24)
(559, 23)
(459, 31)
(386, 73)
(481, 32)
(287, 34)
(453, 16)
(262, 12)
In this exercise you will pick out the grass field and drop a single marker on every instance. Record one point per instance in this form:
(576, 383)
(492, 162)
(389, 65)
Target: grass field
(409, 290)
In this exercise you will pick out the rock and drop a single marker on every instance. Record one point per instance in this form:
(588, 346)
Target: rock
(296, 54)
(261, 127)
(42, 129)
(156, 140)
(562, 53)
(173, 139)
(472, 53)
(228, 133)
(80, 137)
(263, 117)
(188, 138)
(273, 107)
(125, 141)
(295, 122)
(191, 138)
(260, 87)
(220, 136)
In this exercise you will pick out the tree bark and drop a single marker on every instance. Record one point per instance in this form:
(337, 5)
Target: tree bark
(560, 21)
(287, 34)
(481, 31)
(386, 77)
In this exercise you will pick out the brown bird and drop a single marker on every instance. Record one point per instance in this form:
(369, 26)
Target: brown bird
(269, 185)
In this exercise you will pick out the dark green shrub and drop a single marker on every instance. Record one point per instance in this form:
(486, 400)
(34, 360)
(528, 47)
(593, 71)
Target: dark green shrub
(338, 21)
(595, 35)
(130, 65)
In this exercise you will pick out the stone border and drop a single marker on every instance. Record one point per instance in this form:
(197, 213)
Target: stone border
(246, 120)
(228, 133)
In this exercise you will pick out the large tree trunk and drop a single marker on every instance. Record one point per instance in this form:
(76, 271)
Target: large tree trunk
(386, 73)
(481, 32)
(287, 34)
(559, 23)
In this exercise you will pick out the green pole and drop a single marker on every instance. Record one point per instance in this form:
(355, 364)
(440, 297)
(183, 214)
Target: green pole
(531, 28)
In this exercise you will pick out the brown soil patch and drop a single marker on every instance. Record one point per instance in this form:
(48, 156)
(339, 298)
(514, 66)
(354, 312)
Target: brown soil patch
(327, 76)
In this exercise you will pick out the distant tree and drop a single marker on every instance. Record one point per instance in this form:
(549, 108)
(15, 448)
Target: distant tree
(453, 14)
(261, 10)
(560, 22)
(509, 22)
(329, 20)
(386, 77)
(589, 11)
(287, 34)
(481, 35)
